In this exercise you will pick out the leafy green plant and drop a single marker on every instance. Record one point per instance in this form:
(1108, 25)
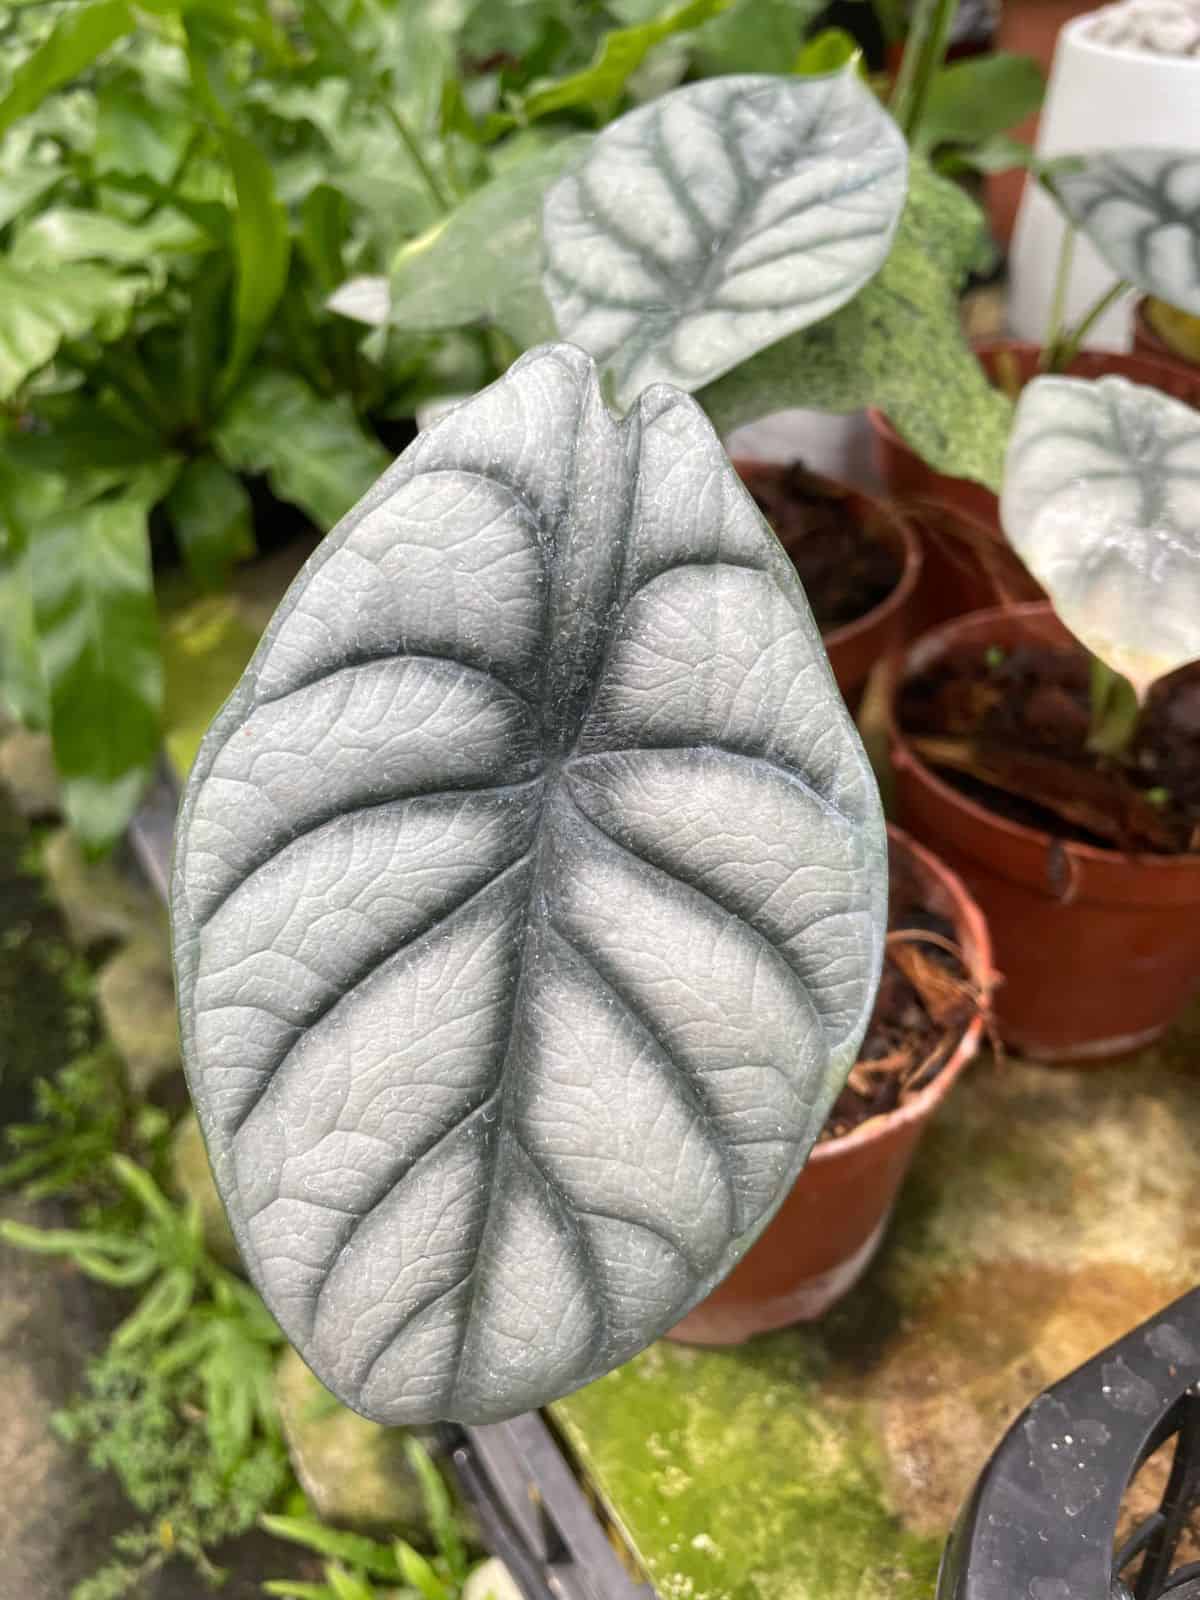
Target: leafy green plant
(353, 1562)
(181, 1404)
(1101, 503)
(182, 187)
(83, 1116)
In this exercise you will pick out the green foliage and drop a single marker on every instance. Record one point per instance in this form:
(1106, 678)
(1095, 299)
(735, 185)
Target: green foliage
(83, 1116)
(182, 188)
(353, 1562)
(149, 1429)
(975, 102)
(181, 1404)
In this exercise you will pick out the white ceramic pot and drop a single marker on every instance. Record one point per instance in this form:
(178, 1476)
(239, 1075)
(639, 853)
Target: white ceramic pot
(1098, 98)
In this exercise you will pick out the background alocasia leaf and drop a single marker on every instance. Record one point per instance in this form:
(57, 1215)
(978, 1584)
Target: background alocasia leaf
(1141, 209)
(716, 220)
(1102, 502)
(528, 904)
(898, 345)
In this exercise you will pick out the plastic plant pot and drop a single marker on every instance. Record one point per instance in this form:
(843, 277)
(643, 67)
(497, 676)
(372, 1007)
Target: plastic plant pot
(823, 1237)
(855, 647)
(1099, 950)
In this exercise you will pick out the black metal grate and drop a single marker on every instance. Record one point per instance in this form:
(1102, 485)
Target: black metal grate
(1041, 1523)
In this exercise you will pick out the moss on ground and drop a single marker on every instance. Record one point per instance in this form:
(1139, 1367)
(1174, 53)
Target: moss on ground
(735, 1480)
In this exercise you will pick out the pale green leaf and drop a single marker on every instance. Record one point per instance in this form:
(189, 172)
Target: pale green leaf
(158, 1312)
(23, 497)
(21, 187)
(211, 513)
(619, 55)
(313, 450)
(66, 233)
(898, 345)
(76, 39)
(484, 263)
(137, 135)
(975, 100)
(96, 622)
(262, 250)
(755, 36)
(41, 309)
(354, 1549)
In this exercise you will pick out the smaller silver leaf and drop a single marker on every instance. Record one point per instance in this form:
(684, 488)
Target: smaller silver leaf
(1102, 502)
(718, 219)
(1141, 209)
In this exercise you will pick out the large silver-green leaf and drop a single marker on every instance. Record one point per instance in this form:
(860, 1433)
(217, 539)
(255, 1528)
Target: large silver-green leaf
(716, 220)
(528, 904)
(1141, 209)
(1102, 502)
(899, 345)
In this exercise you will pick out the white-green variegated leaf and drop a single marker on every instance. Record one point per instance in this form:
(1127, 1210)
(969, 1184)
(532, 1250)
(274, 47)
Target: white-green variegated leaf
(1102, 502)
(529, 901)
(714, 221)
(1141, 209)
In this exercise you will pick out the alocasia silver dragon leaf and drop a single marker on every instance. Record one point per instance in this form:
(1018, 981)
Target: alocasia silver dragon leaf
(1102, 502)
(1141, 209)
(528, 903)
(719, 218)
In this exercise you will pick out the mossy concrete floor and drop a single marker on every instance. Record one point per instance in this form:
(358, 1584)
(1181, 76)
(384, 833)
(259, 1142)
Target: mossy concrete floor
(1049, 1210)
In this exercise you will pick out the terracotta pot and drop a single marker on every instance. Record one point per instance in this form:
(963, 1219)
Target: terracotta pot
(1099, 951)
(957, 582)
(855, 647)
(822, 1238)
(1147, 341)
(967, 565)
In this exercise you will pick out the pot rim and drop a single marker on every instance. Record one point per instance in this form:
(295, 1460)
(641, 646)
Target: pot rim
(1076, 32)
(925, 648)
(878, 419)
(900, 535)
(975, 942)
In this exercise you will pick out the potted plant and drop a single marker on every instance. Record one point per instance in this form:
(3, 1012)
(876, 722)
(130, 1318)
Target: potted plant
(1123, 78)
(857, 557)
(1133, 207)
(926, 1027)
(1050, 749)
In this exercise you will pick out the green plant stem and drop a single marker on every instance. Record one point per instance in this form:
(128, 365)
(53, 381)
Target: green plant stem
(409, 139)
(1115, 711)
(1058, 304)
(924, 52)
(1069, 346)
